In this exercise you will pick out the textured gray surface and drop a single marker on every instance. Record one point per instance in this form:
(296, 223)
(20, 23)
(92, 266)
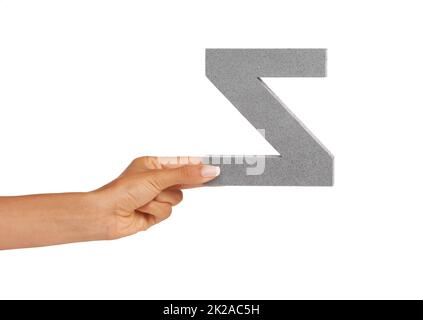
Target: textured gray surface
(303, 160)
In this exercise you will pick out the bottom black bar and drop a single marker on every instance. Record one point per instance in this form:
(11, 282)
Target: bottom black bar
(213, 309)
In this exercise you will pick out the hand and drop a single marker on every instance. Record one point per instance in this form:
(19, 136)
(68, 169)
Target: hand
(141, 197)
(146, 192)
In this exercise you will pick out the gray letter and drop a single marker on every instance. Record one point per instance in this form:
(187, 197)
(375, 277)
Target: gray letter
(237, 73)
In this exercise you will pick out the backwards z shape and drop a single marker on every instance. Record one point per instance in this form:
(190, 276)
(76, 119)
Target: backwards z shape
(303, 160)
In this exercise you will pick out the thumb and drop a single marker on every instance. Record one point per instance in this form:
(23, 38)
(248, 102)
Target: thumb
(186, 175)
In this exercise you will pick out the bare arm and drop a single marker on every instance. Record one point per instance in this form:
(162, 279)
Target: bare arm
(47, 219)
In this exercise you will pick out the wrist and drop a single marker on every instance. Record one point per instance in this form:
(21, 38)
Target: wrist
(96, 218)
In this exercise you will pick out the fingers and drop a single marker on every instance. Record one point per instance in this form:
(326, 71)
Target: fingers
(159, 210)
(186, 186)
(176, 162)
(186, 175)
(142, 188)
(143, 164)
(173, 197)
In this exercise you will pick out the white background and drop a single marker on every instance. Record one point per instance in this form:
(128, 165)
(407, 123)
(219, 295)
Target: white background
(85, 86)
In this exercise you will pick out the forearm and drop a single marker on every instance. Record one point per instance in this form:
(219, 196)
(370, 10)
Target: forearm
(48, 219)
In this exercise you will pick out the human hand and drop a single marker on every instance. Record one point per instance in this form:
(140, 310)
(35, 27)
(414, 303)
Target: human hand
(144, 194)
(140, 197)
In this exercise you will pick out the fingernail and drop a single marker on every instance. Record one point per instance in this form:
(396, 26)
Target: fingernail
(210, 171)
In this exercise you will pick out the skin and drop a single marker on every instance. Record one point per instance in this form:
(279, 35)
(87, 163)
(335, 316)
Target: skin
(142, 196)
